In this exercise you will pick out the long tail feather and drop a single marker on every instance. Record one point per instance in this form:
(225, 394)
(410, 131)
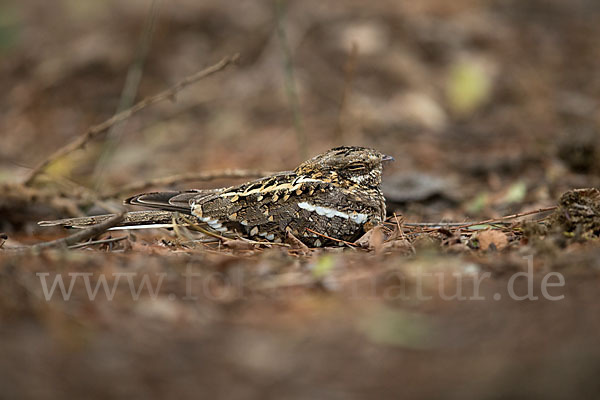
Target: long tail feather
(150, 218)
(170, 201)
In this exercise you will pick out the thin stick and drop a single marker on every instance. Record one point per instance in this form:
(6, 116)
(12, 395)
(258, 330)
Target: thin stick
(103, 241)
(513, 216)
(180, 178)
(397, 222)
(348, 78)
(128, 94)
(195, 227)
(400, 231)
(176, 227)
(330, 238)
(95, 130)
(290, 80)
(457, 225)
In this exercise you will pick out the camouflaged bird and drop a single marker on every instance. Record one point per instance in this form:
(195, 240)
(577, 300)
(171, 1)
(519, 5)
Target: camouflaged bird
(337, 194)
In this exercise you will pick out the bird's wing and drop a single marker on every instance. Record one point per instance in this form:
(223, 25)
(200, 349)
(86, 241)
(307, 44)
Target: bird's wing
(181, 200)
(170, 201)
(268, 208)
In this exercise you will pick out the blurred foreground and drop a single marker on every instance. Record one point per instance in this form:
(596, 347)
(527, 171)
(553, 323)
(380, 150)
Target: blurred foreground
(489, 107)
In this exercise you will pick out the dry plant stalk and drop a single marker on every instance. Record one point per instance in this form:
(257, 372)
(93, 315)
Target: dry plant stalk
(331, 238)
(349, 70)
(459, 225)
(96, 130)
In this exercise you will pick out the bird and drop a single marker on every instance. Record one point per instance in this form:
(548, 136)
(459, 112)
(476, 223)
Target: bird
(332, 198)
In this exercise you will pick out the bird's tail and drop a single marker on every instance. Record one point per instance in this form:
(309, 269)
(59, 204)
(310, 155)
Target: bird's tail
(131, 220)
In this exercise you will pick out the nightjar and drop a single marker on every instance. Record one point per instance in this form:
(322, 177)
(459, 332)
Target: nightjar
(336, 194)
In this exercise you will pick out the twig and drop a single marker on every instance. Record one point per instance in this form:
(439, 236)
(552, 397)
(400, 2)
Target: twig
(264, 243)
(195, 227)
(397, 222)
(128, 94)
(102, 241)
(513, 216)
(95, 130)
(290, 82)
(176, 227)
(330, 238)
(180, 178)
(349, 69)
(458, 225)
(400, 231)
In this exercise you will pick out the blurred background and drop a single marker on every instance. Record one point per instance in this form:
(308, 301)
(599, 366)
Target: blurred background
(488, 106)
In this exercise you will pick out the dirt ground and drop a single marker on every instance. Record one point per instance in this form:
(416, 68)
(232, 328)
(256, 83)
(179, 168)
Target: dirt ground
(490, 109)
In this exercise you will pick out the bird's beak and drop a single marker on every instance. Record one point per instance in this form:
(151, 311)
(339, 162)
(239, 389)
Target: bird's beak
(387, 158)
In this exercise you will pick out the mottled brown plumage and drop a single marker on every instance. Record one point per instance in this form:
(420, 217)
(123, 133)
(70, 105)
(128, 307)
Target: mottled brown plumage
(336, 193)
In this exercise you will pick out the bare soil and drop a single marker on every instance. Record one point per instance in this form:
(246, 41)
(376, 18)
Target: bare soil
(489, 108)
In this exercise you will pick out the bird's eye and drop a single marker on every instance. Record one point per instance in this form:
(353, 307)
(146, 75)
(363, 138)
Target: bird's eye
(355, 167)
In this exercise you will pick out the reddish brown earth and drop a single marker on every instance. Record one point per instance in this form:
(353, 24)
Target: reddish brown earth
(489, 108)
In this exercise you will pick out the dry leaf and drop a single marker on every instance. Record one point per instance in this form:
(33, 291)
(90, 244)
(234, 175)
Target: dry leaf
(372, 240)
(402, 246)
(295, 243)
(492, 237)
(376, 239)
(238, 244)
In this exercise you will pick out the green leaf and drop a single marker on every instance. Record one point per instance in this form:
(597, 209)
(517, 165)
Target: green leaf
(476, 205)
(516, 193)
(323, 266)
(468, 86)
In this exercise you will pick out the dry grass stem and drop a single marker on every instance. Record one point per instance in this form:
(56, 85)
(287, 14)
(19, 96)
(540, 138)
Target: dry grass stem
(94, 131)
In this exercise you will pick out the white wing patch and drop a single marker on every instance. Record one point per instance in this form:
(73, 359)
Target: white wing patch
(303, 179)
(358, 218)
(268, 236)
(212, 223)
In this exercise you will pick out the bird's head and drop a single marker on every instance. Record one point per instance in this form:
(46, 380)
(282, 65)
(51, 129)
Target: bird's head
(357, 165)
